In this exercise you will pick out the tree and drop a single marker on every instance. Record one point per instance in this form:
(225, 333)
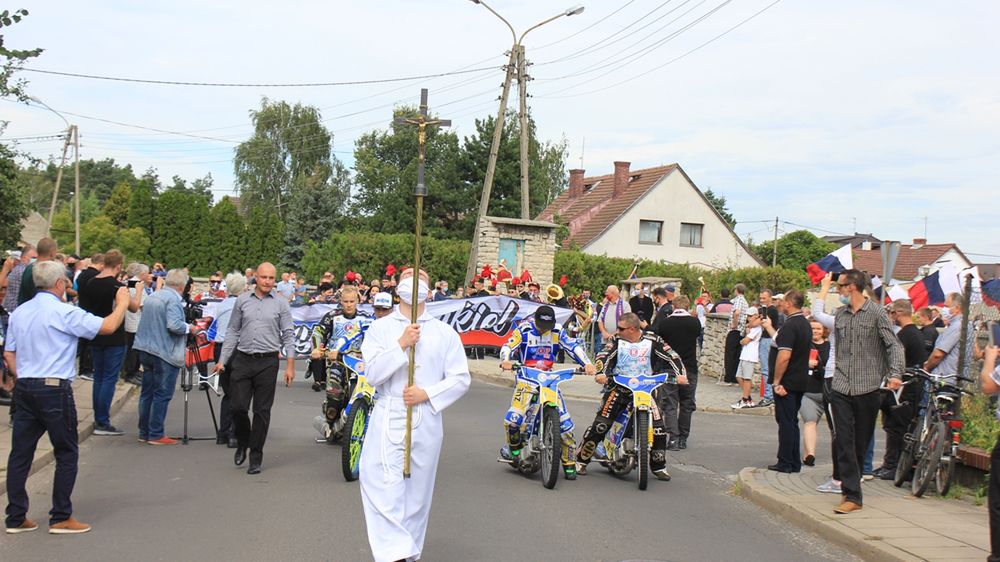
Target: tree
(227, 238)
(546, 167)
(180, 224)
(289, 145)
(314, 211)
(719, 202)
(385, 164)
(796, 249)
(141, 207)
(134, 243)
(117, 206)
(265, 236)
(13, 203)
(201, 186)
(11, 60)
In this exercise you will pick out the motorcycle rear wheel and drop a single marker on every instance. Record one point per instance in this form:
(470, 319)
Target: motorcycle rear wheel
(551, 452)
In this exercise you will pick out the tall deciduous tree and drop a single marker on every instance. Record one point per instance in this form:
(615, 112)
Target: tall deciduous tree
(289, 145)
(796, 249)
(117, 206)
(546, 167)
(13, 204)
(385, 162)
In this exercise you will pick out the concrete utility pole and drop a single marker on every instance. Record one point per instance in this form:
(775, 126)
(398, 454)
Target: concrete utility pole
(516, 63)
(55, 192)
(774, 254)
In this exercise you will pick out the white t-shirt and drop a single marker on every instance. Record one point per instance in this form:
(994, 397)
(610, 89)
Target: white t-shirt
(751, 349)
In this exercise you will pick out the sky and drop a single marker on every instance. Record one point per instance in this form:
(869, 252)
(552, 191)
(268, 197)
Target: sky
(868, 116)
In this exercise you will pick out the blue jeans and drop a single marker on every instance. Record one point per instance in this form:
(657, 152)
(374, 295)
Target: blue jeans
(42, 408)
(868, 467)
(108, 360)
(764, 349)
(159, 379)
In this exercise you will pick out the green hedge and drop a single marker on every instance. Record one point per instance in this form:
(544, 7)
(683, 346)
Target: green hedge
(368, 253)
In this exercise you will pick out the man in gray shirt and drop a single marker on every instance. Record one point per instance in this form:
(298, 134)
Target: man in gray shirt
(260, 324)
(944, 359)
(867, 350)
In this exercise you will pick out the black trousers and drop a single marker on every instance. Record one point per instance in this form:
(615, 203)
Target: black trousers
(678, 405)
(86, 360)
(896, 420)
(131, 366)
(614, 401)
(225, 405)
(253, 380)
(40, 409)
(731, 355)
(786, 413)
(829, 423)
(318, 369)
(854, 422)
(994, 504)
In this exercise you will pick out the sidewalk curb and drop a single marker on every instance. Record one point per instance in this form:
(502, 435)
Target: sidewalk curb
(508, 381)
(85, 428)
(869, 547)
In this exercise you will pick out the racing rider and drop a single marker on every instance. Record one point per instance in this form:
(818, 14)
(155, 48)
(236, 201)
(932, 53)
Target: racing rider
(629, 352)
(340, 331)
(538, 341)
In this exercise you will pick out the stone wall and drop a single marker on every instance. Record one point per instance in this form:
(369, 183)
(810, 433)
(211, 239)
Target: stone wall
(711, 361)
(539, 245)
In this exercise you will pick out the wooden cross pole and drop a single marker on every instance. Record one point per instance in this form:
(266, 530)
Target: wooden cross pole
(422, 121)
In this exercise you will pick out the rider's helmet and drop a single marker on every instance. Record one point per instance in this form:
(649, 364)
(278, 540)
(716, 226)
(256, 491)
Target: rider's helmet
(545, 319)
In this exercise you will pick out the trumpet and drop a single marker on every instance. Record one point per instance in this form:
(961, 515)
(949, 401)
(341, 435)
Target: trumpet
(553, 292)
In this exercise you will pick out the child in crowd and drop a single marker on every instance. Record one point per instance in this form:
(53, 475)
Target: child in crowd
(749, 358)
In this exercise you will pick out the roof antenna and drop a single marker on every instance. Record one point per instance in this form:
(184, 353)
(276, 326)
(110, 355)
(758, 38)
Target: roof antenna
(583, 147)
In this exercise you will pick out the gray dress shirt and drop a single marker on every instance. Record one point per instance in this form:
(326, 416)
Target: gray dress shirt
(259, 325)
(867, 350)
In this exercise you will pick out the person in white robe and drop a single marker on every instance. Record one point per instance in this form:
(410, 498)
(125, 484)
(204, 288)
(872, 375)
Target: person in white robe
(396, 508)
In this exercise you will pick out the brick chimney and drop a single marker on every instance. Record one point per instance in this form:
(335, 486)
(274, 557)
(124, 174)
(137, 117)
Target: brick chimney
(575, 183)
(621, 178)
(919, 243)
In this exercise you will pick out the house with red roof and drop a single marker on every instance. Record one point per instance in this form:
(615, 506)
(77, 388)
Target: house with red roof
(915, 260)
(652, 213)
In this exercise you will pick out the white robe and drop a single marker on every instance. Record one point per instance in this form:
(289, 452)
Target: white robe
(397, 509)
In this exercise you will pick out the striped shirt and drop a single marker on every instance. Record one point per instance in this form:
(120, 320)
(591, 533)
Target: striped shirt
(867, 349)
(740, 306)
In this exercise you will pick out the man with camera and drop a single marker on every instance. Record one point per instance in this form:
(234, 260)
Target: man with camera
(160, 341)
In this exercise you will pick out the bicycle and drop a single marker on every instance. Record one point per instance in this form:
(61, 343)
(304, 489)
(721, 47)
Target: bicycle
(932, 443)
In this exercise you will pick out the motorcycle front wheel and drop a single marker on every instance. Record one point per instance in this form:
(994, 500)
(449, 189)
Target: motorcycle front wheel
(551, 447)
(354, 430)
(642, 447)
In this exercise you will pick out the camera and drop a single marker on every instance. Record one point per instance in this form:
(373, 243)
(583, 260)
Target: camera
(193, 311)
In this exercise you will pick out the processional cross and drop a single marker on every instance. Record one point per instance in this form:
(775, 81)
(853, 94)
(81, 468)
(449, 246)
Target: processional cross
(422, 121)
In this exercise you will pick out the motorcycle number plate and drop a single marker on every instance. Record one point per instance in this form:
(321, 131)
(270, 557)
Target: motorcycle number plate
(643, 399)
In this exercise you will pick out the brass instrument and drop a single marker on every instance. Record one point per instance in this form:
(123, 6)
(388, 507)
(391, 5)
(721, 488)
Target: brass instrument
(553, 292)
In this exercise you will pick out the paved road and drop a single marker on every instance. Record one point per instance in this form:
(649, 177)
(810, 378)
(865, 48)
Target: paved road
(190, 502)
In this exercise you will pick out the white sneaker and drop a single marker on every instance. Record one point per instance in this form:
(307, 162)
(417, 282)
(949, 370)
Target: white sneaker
(662, 474)
(831, 486)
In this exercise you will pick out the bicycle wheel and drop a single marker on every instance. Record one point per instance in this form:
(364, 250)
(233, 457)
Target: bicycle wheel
(904, 468)
(551, 452)
(642, 446)
(356, 427)
(933, 446)
(946, 470)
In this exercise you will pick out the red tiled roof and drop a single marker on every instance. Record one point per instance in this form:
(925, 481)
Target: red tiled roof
(593, 212)
(908, 262)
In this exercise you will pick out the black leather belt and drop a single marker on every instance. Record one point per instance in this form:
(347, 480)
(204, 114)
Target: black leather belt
(265, 355)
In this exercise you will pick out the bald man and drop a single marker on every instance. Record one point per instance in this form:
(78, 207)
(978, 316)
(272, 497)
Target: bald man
(259, 326)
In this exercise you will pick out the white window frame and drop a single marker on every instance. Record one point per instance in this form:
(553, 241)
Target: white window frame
(659, 232)
(701, 235)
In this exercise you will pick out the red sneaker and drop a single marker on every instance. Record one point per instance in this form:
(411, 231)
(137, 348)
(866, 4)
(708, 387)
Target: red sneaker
(162, 441)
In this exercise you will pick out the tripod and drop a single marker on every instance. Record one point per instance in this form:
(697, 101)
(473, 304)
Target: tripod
(187, 384)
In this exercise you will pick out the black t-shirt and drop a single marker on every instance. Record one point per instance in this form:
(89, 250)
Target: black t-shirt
(816, 374)
(681, 333)
(100, 293)
(81, 281)
(796, 335)
(913, 345)
(643, 306)
(930, 335)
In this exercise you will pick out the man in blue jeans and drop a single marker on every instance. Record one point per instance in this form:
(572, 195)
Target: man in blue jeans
(41, 351)
(107, 351)
(768, 309)
(160, 340)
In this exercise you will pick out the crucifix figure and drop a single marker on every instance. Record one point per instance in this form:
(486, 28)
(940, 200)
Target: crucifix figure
(422, 121)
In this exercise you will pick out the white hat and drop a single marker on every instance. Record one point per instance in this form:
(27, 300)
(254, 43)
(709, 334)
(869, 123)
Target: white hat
(383, 300)
(752, 311)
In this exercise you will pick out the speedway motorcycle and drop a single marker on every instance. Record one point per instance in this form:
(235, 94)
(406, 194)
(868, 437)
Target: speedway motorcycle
(356, 415)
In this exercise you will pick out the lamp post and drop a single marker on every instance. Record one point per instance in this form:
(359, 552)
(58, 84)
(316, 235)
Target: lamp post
(71, 136)
(516, 64)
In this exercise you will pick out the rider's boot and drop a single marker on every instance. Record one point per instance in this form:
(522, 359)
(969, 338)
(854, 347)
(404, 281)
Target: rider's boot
(510, 456)
(569, 471)
(581, 468)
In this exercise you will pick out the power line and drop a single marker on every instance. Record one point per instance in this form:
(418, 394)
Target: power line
(815, 228)
(244, 85)
(655, 68)
(572, 35)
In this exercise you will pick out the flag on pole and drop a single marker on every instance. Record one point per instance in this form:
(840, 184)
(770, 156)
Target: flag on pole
(879, 290)
(897, 293)
(927, 291)
(834, 262)
(991, 292)
(635, 272)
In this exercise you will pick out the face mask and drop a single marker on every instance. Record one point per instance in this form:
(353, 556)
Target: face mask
(844, 299)
(405, 291)
(946, 314)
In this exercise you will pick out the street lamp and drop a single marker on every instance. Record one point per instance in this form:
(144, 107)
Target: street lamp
(71, 134)
(517, 62)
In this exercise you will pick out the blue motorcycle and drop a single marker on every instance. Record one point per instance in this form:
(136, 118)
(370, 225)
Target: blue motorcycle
(626, 446)
(540, 431)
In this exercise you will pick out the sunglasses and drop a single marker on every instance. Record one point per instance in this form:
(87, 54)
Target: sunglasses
(620, 327)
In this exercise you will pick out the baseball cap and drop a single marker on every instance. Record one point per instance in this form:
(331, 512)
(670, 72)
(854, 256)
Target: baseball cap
(752, 311)
(383, 300)
(545, 318)
(670, 288)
